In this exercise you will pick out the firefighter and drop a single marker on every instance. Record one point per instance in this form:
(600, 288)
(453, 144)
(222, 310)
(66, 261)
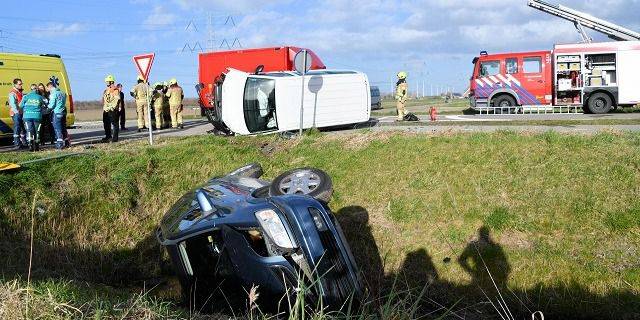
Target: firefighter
(157, 101)
(166, 114)
(31, 106)
(175, 95)
(110, 98)
(15, 98)
(58, 109)
(402, 92)
(139, 92)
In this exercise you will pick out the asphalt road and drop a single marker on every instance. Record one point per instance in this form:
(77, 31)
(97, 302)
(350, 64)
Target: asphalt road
(90, 132)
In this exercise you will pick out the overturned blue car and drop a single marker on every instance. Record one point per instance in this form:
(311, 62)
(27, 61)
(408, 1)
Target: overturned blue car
(238, 231)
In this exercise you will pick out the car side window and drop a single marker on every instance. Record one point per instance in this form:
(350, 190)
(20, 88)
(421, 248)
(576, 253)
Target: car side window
(512, 66)
(532, 65)
(489, 68)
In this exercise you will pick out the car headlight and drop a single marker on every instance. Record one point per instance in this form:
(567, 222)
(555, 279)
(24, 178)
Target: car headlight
(274, 228)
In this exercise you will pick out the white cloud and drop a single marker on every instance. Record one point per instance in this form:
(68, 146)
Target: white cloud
(58, 30)
(233, 6)
(159, 18)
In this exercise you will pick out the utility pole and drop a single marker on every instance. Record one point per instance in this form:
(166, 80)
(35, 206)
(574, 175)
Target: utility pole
(210, 31)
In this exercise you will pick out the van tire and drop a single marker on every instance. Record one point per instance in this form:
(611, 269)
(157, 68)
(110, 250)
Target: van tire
(599, 103)
(322, 188)
(504, 103)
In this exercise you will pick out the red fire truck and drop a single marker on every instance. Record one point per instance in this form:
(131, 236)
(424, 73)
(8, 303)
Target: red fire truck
(213, 65)
(595, 77)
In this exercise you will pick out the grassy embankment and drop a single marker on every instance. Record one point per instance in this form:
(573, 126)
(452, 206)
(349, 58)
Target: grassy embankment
(559, 215)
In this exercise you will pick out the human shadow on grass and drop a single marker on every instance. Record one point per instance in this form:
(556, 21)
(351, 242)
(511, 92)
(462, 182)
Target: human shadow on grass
(488, 295)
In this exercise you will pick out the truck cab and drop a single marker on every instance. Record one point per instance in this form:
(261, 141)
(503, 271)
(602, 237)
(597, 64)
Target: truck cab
(505, 82)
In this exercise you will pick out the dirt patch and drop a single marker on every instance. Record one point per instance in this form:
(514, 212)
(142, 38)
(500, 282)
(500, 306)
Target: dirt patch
(269, 148)
(516, 240)
(357, 141)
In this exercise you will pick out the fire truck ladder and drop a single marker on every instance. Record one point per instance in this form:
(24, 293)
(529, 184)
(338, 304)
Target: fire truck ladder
(583, 20)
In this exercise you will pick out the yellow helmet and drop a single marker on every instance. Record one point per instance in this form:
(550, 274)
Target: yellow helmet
(173, 81)
(402, 75)
(110, 78)
(140, 78)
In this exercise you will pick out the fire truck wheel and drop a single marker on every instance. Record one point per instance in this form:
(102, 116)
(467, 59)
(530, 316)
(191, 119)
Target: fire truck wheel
(504, 104)
(599, 102)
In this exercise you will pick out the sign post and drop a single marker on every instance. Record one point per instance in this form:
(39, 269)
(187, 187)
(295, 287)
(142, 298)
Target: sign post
(143, 63)
(302, 62)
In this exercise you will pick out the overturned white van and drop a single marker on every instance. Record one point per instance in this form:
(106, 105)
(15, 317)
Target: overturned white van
(270, 102)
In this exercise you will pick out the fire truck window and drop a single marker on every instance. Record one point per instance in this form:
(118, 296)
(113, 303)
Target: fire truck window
(512, 66)
(489, 68)
(533, 65)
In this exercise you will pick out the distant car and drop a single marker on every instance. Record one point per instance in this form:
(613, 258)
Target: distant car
(240, 231)
(270, 102)
(376, 99)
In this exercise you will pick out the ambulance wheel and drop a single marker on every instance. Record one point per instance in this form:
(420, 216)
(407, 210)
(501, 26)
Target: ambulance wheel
(504, 104)
(599, 103)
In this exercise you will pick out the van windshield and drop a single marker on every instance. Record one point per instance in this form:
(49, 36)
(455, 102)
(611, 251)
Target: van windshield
(260, 105)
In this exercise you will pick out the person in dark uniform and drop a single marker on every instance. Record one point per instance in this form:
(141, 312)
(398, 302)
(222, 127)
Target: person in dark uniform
(121, 114)
(47, 132)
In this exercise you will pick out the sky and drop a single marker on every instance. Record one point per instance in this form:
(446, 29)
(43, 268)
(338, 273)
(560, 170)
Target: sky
(433, 40)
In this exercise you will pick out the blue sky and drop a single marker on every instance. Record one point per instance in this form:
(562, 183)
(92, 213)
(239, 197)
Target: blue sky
(434, 40)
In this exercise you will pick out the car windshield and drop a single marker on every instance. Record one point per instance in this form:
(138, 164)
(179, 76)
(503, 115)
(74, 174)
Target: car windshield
(260, 105)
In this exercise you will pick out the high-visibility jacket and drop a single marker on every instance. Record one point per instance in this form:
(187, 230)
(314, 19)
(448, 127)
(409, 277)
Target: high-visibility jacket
(31, 106)
(402, 92)
(110, 98)
(175, 95)
(15, 98)
(139, 92)
(158, 99)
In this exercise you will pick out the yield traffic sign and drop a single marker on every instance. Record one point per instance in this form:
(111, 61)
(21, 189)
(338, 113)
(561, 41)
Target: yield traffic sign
(143, 63)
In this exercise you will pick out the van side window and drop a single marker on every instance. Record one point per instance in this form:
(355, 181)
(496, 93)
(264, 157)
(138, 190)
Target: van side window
(532, 65)
(512, 66)
(260, 105)
(489, 68)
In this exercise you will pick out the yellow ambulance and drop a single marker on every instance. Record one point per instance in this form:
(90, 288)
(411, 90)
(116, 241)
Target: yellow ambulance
(31, 69)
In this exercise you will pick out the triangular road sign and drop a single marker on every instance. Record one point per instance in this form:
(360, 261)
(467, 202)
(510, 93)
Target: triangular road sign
(143, 63)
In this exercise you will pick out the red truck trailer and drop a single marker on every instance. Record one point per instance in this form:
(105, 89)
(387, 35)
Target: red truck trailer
(213, 65)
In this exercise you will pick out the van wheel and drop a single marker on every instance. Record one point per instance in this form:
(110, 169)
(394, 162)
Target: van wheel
(504, 104)
(304, 181)
(599, 103)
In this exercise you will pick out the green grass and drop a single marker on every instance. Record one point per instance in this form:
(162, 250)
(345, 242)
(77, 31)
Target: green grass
(562, 212)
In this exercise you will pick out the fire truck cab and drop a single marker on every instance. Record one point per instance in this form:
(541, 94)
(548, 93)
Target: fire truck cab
(597, 77)
(502, 82)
